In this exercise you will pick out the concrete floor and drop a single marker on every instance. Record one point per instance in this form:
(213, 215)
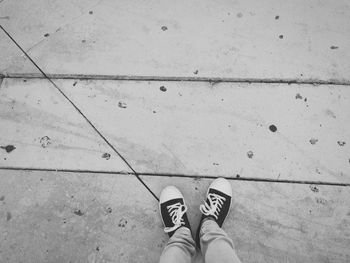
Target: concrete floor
(147, 94)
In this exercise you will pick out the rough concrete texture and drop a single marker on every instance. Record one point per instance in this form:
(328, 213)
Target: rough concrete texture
(222, 129)
(72, 217)
(47, 132)
(67, 192)
(233, 39)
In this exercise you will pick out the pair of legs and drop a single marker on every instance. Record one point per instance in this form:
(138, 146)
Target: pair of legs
(214, 243)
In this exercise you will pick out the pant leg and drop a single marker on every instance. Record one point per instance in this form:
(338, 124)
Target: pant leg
(180, 247)
(216, 246)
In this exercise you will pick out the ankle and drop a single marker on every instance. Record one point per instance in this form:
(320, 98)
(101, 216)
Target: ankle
(184, 227)
(211, 218)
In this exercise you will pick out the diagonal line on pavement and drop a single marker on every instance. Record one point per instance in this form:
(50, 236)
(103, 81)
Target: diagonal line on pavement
(82, 114)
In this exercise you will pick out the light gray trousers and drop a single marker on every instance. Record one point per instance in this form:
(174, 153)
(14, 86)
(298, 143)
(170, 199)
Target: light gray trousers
(216, 246)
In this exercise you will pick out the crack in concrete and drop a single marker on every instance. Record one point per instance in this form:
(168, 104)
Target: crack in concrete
(213, 80)
(190, 176)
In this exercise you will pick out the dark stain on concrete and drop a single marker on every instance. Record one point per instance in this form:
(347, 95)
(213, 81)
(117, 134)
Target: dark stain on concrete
(106, 156)
(277, 17)
(195, 72)
(250, 154)
(122, 222)
(341, 143)
(313, 141)
(122, 105)
(5, 17)
(75, 83)
(314, 188)
(162, 88)
(78, 212)
(8, 216)
(273, 128)
(91, 12)
(8, 148)
(46, 35)
(45, 141)
(298, 96)
(109, 210)
(239, 15)
(334, 47)
(280, 36)
(2, 198)
(164, 28)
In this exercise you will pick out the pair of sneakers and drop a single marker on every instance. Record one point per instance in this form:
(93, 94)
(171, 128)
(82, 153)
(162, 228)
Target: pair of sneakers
(216, 206)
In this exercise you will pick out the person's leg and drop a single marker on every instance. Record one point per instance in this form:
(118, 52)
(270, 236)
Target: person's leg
(216, 246)
(181, 246)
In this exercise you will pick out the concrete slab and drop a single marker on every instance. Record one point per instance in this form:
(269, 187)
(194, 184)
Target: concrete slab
(212, 129)
(241, 39)
(30, 23)
(40, 129)
(67, 217)
(62, 217)
(12, 59)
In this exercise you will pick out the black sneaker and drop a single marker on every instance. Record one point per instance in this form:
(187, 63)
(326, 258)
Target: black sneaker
(217, 205)
(173, 210)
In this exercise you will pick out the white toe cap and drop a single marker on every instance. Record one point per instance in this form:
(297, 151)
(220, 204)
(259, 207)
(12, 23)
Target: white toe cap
(222, 185)
(169, 193)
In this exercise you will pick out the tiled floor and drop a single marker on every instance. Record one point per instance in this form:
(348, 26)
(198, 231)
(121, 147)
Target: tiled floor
(147, 94)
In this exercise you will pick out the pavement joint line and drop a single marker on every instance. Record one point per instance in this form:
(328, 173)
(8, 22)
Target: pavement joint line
(81, 113)
(213, 80)
(250, 179)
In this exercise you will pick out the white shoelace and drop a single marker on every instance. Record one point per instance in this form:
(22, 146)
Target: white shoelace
(176, 211)
(214, 206)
